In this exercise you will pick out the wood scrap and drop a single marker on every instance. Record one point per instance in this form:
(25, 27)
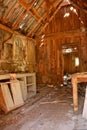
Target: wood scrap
(53, 102)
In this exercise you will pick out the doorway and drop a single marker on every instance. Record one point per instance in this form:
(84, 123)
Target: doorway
(70, 59)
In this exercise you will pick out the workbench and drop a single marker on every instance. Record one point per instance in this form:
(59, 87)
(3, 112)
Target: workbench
(75, 79)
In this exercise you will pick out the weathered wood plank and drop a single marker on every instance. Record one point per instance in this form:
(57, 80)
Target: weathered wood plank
(16, 91)
(7, 96)
(24, 89)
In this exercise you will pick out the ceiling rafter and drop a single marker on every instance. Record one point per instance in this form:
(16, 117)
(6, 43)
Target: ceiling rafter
(40, 5)
(35, 27)
(47, 8)
(24, 4)
(51, 7)
(31, 17)
(60, 4)
(57, 35)
(30, 8)
(34, 12)
(3, 20)
(17, 22)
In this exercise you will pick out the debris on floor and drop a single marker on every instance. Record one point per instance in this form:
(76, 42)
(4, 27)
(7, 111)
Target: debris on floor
(50, 109)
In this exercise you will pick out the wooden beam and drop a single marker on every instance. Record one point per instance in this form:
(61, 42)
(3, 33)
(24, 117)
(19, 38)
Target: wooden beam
(58, 35)
(4, 21)
(30, 8)
(34, 12)
(33, 29)
(36, 25)
(40, 19)
(6, 28)
(47, 8)
(17, 22)
(24, 4)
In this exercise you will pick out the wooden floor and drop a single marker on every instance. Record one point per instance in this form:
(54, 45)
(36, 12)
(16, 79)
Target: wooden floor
(50, 109)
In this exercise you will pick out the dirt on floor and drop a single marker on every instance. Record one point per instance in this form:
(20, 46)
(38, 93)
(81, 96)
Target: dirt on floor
(50, 109)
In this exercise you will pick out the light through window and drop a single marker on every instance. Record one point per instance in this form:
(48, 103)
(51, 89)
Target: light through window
(76, 61)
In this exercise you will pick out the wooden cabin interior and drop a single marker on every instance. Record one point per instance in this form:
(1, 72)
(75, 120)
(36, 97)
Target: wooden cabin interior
(43, 64)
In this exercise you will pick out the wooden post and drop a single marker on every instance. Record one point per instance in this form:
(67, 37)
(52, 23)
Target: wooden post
(75, 93)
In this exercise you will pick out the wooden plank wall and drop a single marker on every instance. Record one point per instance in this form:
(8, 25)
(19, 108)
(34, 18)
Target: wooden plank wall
(17, 52)
(61, 30)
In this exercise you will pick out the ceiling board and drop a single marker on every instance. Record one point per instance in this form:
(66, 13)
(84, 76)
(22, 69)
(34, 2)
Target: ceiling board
(31, 17)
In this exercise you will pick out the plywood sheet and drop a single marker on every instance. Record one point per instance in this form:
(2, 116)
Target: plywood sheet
(7, 96)
(16, 91)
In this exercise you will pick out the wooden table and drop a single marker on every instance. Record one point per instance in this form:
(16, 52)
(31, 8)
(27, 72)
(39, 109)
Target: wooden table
(75, 79)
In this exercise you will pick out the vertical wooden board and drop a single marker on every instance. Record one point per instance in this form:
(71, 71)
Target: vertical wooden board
(48, 55)
(23, 90)
(7, 96)
(75, 93)
(57, 60)
(17, 94)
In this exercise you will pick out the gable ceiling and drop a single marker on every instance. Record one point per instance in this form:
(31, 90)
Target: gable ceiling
(30, 17)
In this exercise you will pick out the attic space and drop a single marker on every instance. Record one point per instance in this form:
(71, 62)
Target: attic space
(43, 64)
